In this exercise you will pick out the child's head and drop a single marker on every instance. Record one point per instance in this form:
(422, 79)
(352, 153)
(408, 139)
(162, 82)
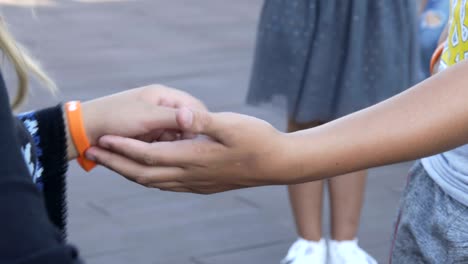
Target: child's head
(23, 64)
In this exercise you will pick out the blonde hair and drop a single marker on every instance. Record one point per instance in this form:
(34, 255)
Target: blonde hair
(23, 65)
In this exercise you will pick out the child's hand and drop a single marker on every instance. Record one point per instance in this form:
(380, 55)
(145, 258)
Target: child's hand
(173, 98)
(142, 113)
(241, 151)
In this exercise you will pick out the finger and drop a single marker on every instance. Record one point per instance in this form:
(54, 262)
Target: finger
(167, 137)
(179, 190)
(204, 122)
(188, 135)
(174, 187)
(170, 135)
(167, 103)
(160, 118)
(216, 189)
(166, 185)
(132, 170)
(188, 190)
(151, 136)
(178, 153)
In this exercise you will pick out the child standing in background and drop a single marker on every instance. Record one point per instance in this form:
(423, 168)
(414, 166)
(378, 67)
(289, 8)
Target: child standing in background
(330, 58)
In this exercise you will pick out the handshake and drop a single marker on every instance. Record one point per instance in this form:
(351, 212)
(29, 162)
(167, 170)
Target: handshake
(164, 138)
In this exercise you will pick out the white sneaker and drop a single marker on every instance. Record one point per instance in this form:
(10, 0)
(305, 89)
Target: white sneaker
(306, 252)
(348, 252)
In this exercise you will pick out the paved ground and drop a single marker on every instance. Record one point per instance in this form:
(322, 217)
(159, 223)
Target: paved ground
(93, 48)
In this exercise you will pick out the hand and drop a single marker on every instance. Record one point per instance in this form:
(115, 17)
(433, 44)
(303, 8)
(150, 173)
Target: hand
(241, 151)
(137, 112)
(141, 113)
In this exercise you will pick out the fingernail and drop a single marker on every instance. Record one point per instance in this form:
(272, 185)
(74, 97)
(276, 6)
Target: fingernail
(90, 155)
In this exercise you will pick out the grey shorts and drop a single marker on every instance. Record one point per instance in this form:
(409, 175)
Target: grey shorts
(431, 226)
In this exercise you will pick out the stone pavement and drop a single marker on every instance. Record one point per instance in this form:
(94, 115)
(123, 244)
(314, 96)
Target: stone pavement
(93, 48)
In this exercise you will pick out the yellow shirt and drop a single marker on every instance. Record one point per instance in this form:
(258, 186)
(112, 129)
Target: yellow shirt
(456, 46)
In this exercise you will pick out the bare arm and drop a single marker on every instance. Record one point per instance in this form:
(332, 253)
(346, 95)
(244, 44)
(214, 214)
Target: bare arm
(429, 118)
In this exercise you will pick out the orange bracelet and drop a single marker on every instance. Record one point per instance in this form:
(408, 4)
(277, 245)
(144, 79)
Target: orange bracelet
(435, 57)
(78, 133)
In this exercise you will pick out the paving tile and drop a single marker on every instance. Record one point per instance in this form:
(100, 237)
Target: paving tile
(159, 240)
(267, 253)
(126, 257)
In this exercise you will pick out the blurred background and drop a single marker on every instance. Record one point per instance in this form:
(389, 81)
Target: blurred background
(94, 48)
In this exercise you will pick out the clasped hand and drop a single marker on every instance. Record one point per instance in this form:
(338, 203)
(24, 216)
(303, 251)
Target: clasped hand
(212, 152)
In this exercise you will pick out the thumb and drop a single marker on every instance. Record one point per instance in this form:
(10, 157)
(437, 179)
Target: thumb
(201, 122)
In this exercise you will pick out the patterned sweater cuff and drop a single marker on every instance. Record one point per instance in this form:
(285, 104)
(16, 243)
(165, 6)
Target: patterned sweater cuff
(51, 138)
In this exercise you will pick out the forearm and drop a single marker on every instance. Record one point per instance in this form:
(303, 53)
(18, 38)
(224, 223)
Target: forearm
(429, 118)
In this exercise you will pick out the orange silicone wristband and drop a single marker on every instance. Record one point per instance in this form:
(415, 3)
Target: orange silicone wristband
(435, 57)
(78, 133)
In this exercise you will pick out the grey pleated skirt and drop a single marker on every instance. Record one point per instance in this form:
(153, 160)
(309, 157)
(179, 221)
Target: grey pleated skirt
(329, 58)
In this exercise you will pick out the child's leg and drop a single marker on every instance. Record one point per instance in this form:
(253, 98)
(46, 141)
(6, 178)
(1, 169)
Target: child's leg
(432, 227)
(306, 203)
(306, 199)
(346, 198)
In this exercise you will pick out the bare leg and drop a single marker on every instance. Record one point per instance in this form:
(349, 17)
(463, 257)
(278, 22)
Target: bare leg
(306, 200)
(346, 198)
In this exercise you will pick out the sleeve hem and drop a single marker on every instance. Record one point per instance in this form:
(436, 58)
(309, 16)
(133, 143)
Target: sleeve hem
(54, 161)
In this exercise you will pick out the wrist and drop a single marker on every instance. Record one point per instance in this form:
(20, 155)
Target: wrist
(77, 135)
(291, 153)
(302, 154)
(72, 152)
(286, 160)
(90, 126)
(91, 122)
